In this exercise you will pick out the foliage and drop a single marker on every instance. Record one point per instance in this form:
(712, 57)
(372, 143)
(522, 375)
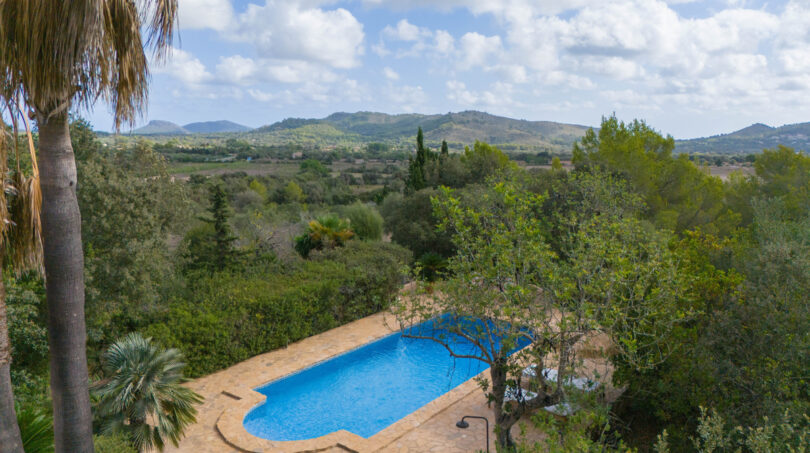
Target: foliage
(483, 160)
(325, 232)
(292, 193)
(412, 223)
(416, 165)
(785, 174)
(29, 338)
(745, 354)
(212, 247)
(259, 188)
(678, 195)
(227, 318)
(113, 443)
(783, 434)
(141, 394)
(364, 221)
(130, 206)
(618, 279)
(588, 430)
(432, 266)
(314, 166)
(36, 428)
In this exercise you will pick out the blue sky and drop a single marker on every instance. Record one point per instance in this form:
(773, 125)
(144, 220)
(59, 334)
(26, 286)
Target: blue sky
(690, 68)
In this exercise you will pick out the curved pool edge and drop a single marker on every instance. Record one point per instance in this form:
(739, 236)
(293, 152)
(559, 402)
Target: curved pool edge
(231, 428)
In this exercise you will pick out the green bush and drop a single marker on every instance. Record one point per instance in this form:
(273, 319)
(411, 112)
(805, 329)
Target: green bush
(113, 443)
(326, 232)
(411, 222)
(36, 429)
(228, 318)
(365, 221)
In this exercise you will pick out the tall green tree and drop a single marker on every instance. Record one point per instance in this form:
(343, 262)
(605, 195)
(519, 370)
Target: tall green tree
(126, 269)
(417, 179)
(679, 196)
(141, 393)
(617, 279)
(59, 55)
(212, 247)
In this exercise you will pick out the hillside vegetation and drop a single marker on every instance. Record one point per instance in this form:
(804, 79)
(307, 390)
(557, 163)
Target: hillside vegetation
(749, 140)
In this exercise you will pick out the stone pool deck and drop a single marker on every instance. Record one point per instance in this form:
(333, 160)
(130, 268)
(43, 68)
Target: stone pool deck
(229, 395)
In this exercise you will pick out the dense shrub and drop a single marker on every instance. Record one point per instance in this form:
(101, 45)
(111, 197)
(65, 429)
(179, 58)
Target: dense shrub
(365, 221)
(411, 222)
(113, 443)
(228, 318)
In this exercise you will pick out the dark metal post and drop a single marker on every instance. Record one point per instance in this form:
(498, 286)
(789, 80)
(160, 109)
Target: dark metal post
(463, 425)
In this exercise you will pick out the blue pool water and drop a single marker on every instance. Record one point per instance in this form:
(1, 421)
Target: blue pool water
(362, 391)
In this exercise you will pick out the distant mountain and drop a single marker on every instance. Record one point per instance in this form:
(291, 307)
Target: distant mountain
(157, 127)
(457, 128)
(751, 139)
(215, 127)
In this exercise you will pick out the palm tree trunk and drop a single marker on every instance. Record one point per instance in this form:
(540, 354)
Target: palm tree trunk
(64, 273)
(10, 439)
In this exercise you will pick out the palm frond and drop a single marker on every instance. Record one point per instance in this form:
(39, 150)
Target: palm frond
(144, 384)
(59, 54)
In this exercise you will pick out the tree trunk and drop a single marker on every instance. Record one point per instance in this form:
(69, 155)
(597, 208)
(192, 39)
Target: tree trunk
(10, 440)
(64, 273)
(503, 420)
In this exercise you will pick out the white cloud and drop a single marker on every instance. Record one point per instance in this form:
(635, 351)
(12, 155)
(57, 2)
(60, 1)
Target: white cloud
(290, 31)
(476, 49)
(407, 98)
(213, 14)
(240, 70)
(405, 31)
(390, 74)
(419, 41)
(184, 67)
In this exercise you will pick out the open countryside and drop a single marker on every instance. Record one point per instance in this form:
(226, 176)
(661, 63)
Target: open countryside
(377, 226)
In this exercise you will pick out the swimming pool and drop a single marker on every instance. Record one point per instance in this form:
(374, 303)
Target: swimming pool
(362, 391)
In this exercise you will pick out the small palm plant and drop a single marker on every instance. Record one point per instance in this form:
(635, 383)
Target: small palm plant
(142, 385)
(325, 232)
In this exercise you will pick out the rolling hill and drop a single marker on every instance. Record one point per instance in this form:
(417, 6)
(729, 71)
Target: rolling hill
(215, 127)
(751, 139)
(457, 128)
(159, 127)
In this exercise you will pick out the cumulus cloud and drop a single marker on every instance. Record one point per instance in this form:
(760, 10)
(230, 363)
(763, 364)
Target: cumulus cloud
(241, 70)
(477, 49)
(726, 57)
(409, 40)
(185, 67)
(288, 30)
(213, 14)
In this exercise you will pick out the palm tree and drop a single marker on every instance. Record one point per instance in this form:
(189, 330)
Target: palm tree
(142, 384)
(325, 232)
(58, 55)
(20, 249)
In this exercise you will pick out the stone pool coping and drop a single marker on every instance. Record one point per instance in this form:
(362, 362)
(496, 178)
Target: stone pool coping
(230, 422)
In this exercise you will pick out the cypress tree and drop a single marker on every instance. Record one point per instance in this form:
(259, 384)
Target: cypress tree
(445, 151)
(223, 237)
